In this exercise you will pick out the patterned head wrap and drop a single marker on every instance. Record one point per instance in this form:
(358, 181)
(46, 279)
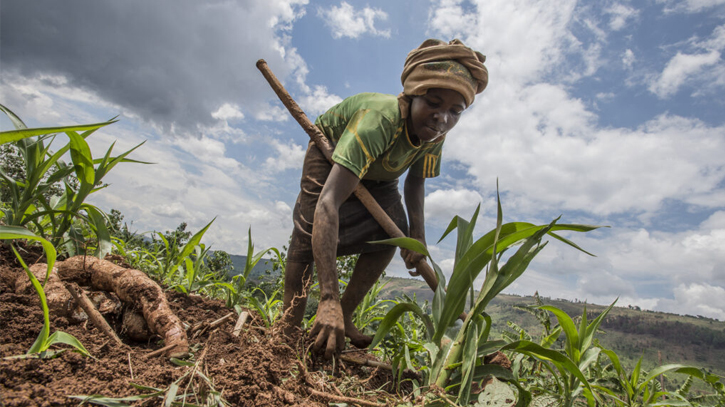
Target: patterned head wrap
(437, 64)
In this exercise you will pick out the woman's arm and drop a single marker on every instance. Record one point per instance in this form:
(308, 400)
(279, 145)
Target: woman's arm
(329, 325)
(414, 191)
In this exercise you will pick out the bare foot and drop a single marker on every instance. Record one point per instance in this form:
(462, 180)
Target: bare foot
(357, 339)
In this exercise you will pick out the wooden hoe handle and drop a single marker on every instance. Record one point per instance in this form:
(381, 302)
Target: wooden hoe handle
(423, 268)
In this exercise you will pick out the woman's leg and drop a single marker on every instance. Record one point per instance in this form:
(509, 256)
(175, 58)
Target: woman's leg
(367, 270)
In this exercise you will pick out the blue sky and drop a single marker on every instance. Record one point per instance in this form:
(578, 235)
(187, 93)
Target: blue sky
(604, 112)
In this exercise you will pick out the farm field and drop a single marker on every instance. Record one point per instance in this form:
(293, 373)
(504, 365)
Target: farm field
(255, 369)
(630, 332)
(160, 319)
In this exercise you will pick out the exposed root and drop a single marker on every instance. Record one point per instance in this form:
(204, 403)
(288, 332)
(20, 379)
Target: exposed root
(59, 299)
(135, 287)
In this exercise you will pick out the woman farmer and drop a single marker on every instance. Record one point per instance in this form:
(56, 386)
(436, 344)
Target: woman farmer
(377, 138)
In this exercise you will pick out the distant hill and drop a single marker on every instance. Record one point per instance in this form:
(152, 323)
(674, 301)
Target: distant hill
(259, 272)
(630, 332)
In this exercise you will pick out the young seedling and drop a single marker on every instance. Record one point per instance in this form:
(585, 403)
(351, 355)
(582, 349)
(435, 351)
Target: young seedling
(45, 340)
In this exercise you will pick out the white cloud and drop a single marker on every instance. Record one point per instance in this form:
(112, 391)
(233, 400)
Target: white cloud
(641, 267)
(195, 190)
(596, 285)
(522, 40)
(289, 156)
(689, 6)
(696, 299)
(267, 112)
(207, 150)
(544, 145)
(318, 101)
(443, 204)
(620, 13)
(716, 40)
(550, 156)
(172, 210)
(605, 96)
(49, 100)
(715, 221)
(680, 69)
(345, 21)
(628, 58)
(228, 111)
(701, 63)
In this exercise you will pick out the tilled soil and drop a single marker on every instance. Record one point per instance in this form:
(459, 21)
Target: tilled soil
(257, 368)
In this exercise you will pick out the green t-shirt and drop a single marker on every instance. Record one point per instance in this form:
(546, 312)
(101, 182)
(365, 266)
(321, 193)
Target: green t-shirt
(371, 139)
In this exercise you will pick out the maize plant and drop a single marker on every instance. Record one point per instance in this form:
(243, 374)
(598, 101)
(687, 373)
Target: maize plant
(455, 353)
(56, 219)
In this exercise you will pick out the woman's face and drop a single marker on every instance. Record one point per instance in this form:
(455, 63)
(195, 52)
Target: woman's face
(434, 114)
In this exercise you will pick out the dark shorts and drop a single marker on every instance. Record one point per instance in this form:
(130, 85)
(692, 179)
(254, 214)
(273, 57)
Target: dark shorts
(357, 226)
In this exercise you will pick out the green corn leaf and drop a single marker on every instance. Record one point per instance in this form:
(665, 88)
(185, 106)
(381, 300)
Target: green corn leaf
(469, 363)
(179, 362)
(193, 242)
(408, 362)
(392, 316)
(439, 361)
(68, 339)
(514, 267)
(569, 242)
(97, 221)
(405, 243)
(487, 330)
(190, 272)
(462, 279)
(591, 329)
(82, 158)
(16, 135)
(582, 330)
(104, 168)
(125, 160)
(634, 378)
(17, 123)
(588, 357)
(260, 308)
(488, 347)
(611, 394)
(676, 368)
(18, 232)
(451, 227)
(141, 387)
(106, 401)
(549, 340)
(253, 259)
(439, 298)
(465, 232)
(668, 402)
(567, 324)
(563, 362)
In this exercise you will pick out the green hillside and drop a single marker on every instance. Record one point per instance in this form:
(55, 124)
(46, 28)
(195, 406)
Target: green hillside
(661, 337)
(259, 272)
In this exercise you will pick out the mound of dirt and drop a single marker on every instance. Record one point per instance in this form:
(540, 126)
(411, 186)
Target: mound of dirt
(257, 368)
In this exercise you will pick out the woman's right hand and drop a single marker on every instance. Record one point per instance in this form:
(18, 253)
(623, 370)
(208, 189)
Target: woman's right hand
(329, 327)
